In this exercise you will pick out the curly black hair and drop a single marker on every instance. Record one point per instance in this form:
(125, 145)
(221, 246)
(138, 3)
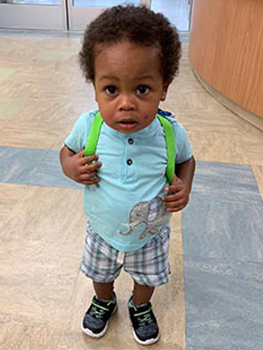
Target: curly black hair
(138, 24)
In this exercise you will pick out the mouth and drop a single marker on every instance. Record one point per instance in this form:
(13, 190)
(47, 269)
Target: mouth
(128, 123)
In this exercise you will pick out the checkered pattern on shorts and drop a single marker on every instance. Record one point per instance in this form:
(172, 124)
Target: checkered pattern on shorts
(147, 266)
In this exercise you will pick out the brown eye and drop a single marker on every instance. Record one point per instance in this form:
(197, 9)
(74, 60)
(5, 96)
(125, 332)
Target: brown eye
(111, 89)
(142, 89)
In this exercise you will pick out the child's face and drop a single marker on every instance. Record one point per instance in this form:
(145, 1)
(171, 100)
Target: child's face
(128, 85)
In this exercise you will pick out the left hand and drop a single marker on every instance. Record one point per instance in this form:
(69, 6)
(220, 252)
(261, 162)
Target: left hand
(177, 197)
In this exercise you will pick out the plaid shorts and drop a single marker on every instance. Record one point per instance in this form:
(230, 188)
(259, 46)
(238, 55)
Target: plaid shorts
(147, 266)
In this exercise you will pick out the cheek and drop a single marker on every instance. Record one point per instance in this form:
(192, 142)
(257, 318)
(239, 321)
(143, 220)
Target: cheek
(147, 119)
(103, 107)
(150, 113)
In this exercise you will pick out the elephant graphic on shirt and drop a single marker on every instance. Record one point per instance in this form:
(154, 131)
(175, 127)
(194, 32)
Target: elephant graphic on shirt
(153, 214)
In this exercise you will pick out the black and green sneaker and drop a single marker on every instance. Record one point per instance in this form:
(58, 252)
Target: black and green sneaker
(145, 327)
(95, 321)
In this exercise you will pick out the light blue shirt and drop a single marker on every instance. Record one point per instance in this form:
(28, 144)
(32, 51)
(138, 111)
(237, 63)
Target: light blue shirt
(125, 208)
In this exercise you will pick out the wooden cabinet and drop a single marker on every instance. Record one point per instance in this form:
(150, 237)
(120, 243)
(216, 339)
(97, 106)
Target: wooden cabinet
(226, 49)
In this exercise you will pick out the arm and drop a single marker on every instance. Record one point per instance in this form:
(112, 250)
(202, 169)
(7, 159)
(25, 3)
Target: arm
(79, 168)
(178, 192)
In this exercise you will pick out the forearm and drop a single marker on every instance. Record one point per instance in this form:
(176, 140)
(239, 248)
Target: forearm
(78, 167)
(185, 172)
(65, 155)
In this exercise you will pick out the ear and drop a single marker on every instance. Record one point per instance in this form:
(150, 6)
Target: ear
(164, 93)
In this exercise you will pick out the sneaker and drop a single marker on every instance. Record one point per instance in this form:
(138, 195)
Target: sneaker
(145, 327)
(95, 321)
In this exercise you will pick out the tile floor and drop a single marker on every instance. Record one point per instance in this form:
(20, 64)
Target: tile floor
(214, 297)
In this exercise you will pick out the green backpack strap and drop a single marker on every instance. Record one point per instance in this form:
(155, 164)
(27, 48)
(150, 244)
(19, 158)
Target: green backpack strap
(170, 145)
(91, 145)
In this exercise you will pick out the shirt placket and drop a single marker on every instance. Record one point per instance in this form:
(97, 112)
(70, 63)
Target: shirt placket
(130, 165)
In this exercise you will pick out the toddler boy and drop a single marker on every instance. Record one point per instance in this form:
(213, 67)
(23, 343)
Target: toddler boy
(131, 55)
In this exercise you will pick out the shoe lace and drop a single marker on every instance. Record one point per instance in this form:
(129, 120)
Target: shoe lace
(145, 318)
(98, 311)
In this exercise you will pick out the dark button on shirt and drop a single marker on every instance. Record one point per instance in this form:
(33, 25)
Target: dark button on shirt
(129, 162)
(130, 141)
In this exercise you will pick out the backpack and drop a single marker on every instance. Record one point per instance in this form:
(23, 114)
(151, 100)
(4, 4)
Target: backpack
(91, 144)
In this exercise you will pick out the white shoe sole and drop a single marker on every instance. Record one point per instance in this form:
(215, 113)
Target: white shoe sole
(97, 335)
(94, 335)
(147, 342)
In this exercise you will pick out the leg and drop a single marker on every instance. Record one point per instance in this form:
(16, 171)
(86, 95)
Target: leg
(104, 291)
(145, 326)
(142, 294)
(102, 307)
(101, 267)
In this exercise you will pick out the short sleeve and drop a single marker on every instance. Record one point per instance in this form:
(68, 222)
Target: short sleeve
(77, 138)
(184, 149)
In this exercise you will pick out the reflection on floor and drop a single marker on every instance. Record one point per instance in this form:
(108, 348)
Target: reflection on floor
(43, 294)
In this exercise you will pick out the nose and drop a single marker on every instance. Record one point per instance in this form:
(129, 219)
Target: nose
(126, 102)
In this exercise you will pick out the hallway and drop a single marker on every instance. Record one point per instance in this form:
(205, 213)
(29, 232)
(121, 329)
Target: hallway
(214, 298)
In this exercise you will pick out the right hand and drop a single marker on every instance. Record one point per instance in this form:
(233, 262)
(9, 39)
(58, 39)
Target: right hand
(83, 169)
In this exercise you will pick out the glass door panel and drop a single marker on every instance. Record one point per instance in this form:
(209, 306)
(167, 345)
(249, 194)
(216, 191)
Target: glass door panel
(102, 3)
(177, 11)
(81, 12)
(33, 14)
(36, 2)
(76, 14)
